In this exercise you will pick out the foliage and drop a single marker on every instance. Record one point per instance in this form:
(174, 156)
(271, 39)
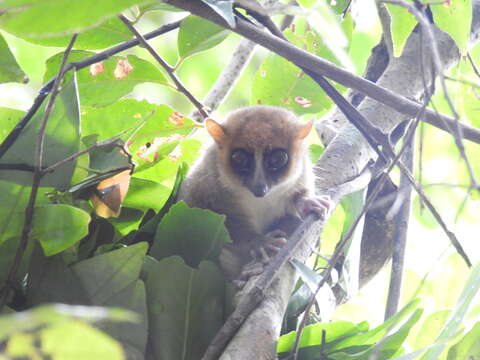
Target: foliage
(147, 283)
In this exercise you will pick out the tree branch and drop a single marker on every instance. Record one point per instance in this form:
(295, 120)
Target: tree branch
(170, 70)
(316, 64)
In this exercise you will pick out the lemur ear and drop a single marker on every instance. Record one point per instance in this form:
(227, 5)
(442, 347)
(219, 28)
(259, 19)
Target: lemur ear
(305, 130)
(216, 131)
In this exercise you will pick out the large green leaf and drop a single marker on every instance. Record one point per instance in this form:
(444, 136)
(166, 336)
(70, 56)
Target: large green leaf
(151, 132)
(468, 347)
(26, 18)
(56, 236)
(333, 331)
(103, 83)
(94, 343)
(185, 307)
(105, 275)
(402, 24)
(62, 139)
(8, 119)
(47, 315)
(455, 18)
(108, 33)
(9, 69)
(197, 34)
(146, 194)
(194, 234)
(280, 83)
(456, 317)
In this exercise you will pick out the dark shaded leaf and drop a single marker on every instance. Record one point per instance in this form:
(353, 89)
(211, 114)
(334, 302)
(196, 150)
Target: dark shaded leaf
(194, 234)
(185, 307)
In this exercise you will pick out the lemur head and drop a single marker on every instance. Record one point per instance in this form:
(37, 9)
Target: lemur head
(260, 148)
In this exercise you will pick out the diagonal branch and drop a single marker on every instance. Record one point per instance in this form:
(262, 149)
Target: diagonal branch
(170, 70)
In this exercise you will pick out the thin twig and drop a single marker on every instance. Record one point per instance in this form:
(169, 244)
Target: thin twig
(72, 157)
(37, 176)
(400, 241)
(170, 70)
(45, 90)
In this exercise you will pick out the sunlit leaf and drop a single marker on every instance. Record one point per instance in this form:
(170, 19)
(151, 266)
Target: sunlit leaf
(402, 24)
(197, 34)
(108, 33)
(118, 76)
(54, 235)
(25, 18)
(9, 69)
(455, 18)
(468, 347)
(61, 139)
(450, 329)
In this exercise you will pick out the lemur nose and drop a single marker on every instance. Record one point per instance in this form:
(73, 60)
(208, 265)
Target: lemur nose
(260, 190)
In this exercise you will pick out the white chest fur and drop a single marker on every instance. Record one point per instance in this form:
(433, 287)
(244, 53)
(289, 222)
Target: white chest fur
(262, 211)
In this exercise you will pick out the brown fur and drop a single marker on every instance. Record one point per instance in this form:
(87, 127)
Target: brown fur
(212, 184)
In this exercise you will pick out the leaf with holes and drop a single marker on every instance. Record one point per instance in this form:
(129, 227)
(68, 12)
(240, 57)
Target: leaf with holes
(105, 82)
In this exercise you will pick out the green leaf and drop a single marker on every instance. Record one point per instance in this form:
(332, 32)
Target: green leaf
(468, 347)
(455, 321)
(61, 140)
(187, 152)
(48, 315)
(9, 69)
(109, 33)
(455, 18)
(105, 275)
(315, 152)
(280, 83)
(194, 234)
(197, 34)
(24, 18)
(104, 83)
(150, 227)
(94, 343)
(312, 333)
(146, 194)
(402, 24)
(372, 336)
(8, 120)
(51, 280)
(56, 236)
(185, 308)
(325, 297)
(224, 8)
(431, 326)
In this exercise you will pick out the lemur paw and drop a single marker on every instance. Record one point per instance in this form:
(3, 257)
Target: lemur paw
(262, 255)
(318, 205)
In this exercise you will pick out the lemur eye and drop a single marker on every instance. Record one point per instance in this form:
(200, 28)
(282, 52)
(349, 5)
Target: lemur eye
(241, 160)
(276, 160)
